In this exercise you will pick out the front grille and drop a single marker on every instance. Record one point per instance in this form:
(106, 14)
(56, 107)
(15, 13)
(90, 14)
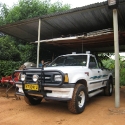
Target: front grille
(42, 78)
(46, 78)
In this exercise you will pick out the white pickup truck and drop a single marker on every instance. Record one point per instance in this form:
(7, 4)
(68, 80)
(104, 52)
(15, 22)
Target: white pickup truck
(73, 78)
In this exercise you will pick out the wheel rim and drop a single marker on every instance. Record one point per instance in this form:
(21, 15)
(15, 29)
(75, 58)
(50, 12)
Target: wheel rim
(82, 101)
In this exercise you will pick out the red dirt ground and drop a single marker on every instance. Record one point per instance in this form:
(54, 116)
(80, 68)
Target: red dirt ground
(100, 110)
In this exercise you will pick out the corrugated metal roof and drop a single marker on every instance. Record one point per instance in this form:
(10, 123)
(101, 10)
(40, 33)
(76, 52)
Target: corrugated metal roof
(69, 23)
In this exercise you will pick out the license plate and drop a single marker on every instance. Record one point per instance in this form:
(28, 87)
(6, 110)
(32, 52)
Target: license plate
(31, 87)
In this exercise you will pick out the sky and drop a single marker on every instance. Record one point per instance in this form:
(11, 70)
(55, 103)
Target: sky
(73, 3)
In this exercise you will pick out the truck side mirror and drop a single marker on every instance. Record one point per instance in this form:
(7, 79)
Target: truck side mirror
(92, 65)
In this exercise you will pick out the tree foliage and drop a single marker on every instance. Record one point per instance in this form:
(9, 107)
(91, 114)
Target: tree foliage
(28, 52)
(7, 67)
(110, 64)
(3, 13)
(8, 50)
(26, 9)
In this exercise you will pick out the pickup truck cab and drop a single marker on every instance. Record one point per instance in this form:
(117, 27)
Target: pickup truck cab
(73, 78)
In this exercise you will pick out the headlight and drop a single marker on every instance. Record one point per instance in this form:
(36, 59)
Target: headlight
(23, 77)
(35, 78)
(58, 78)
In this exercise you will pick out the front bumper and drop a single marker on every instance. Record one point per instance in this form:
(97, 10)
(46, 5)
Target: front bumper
(61, 93)
(64, 93)
(19, 90)
(47, 86)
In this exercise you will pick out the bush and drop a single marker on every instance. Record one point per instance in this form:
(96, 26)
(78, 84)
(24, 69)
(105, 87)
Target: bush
(8, 67)
(8, 49)
(110, 64)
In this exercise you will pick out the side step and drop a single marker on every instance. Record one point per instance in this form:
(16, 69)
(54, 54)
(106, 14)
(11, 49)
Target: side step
(95, 92)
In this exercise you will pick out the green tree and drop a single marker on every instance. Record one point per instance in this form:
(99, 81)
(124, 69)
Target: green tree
(10, 57)
(3, 13)
(57, 7)
(8, 50)
(110, 64)
(28, 52)
(26, 9)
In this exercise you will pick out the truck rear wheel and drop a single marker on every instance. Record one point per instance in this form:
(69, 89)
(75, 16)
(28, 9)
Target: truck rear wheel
(77, 104)
(108, 90)
(32, 100)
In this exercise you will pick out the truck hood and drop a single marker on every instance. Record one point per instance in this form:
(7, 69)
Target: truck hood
(66, 69)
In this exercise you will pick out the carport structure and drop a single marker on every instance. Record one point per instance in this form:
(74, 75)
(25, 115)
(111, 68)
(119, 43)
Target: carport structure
(93, 21)
(89, 28)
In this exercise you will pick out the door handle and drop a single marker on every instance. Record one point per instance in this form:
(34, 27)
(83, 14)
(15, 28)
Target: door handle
(98, 71)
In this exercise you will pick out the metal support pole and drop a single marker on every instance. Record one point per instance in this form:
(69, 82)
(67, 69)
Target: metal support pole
(116, 47)
(38, 45)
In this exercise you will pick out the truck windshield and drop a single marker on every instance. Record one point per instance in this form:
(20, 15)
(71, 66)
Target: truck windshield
(73, 60)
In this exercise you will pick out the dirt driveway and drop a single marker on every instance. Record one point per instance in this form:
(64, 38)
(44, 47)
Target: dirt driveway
(99, 111)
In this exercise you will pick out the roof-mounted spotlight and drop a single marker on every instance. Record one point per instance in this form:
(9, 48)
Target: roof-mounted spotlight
(113, 4)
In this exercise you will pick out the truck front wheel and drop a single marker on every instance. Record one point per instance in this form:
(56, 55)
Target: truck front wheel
(32, 100)
(78, 101)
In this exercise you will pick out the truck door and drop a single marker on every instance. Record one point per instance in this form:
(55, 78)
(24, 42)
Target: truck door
(95, 78)
(104, 73)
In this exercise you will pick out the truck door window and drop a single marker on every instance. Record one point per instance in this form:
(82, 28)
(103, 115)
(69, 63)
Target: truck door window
(93, 61)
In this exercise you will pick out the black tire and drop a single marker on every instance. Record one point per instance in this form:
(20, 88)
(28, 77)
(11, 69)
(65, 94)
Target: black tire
(108, 90)
(77, 103)
(32, 100)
